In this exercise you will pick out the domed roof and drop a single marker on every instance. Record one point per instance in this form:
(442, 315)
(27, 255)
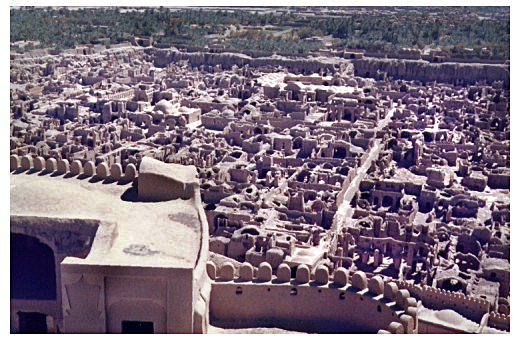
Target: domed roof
(228, 113)
(249, 108)
(352, 82)
(164, 106)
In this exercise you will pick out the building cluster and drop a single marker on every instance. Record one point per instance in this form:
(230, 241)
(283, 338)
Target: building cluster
(306, 171)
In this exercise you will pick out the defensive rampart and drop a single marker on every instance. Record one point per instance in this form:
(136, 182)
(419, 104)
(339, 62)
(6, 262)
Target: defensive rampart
(470, 307)
(76, 168)
(241, 298)
(429, 72)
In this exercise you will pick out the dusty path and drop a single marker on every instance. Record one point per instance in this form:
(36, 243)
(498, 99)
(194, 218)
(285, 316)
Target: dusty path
(345, 211)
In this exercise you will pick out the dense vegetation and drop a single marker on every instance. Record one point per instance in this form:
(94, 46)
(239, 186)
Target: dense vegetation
(484, 29)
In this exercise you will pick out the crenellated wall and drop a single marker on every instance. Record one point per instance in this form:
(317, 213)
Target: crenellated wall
(76, 168)
(241, 298)
(434, 298)
(499, 321)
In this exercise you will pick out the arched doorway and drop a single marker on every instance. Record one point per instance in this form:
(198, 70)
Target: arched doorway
(33, 273)
(297, 143)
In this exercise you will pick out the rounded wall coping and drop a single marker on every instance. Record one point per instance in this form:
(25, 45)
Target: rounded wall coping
(211, 269)
(341, 277)
(76, 168)
(246, 272)
(402, 298)
(89, 169)
(495, 314)
(408, 323)
(411, 302)
(396, 328)
(116, 171)
(321, 276)
(14, 162)
(39, 163)
(227, 272)
(102, 170)
(265, 272)
(26, 162)
(303, 274)
(376, 285)
(63, 166)
(51, 165)
(283, 273)
(390, 290)
(359, 280)
(130, 172)
(264, 278)
(412, 311)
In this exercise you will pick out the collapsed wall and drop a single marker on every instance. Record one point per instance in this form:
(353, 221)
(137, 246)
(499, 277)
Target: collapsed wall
(457, 73)
(227, 60)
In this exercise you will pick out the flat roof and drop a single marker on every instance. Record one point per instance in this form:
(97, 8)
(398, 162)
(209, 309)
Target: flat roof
(131, 233)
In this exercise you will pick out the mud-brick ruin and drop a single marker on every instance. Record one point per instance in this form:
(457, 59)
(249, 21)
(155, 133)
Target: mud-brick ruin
(167, 191)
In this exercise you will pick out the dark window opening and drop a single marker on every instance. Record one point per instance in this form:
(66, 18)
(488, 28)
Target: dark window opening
(340, 153)
(32, 323)
(379, 308)
(33, 275)
(387, 201)
(294, 292)
(136, 327)
(238, 291)
(297, 143)
(342, 296)
(452, 285)
(365, 195)
(428, 137)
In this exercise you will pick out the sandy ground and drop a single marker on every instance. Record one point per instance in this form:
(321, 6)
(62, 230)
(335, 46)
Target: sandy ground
(216, 330)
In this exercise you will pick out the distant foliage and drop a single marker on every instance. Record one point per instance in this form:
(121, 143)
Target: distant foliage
(484, 29)
(412, 29)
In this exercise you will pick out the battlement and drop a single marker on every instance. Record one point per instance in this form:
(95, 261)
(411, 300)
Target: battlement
(435, 298)
(337, 302)
(87, 170)
(499, 321)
